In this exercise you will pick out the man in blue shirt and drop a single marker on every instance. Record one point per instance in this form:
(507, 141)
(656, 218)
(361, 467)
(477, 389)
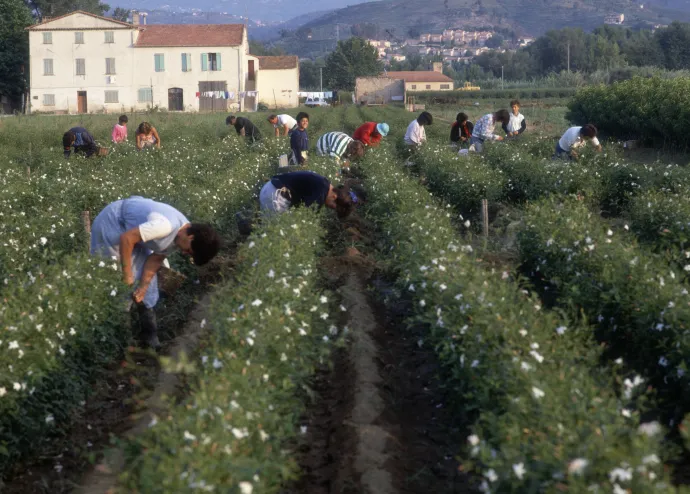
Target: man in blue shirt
(81, 140)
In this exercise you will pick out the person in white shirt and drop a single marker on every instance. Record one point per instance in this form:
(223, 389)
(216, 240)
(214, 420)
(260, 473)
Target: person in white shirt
(416, 135)
(574, 138)
(285, 122)
(517, 124)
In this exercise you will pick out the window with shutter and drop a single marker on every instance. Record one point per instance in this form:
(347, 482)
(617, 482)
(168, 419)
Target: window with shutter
(48, 100)
(79, 38)
(110, 37)
(445, 86)
(111, 97)
(204, 62)
(159, 59)
(186, 62)
(47, 38)
(145, 95)
(47, 66)
(428, 86)
(81, 66)
(213, 61)
(414, 86)
(110, 66)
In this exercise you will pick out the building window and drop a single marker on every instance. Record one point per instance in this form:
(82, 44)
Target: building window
(186, 62)
(110, 37)
(81, 66)
(110, 66)
(210, 61)
(428, 86)
(145, 95)
(111, 97)
(47, 66)
(79, 38)
(414, 86)
(159, 60)
(48, 100)
(47, 38)
(445, 86)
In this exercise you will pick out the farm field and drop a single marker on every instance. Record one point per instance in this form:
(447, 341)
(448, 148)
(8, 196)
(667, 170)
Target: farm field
(399, 350)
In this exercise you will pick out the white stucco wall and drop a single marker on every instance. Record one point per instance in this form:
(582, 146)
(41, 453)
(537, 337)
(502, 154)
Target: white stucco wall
(285, 83)
(134, 67)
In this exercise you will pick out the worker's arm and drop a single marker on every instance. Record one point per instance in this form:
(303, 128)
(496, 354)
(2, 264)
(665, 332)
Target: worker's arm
(277, 131)
(127, 242)
(242, 132)
(505, 128)
(287, 129)
(151, 266)
(523, 127)
(158, 139)
(139, 141)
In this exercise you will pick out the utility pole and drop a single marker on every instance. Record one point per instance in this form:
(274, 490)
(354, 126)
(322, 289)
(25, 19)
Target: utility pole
(337, 32)
(568, 57)
(502, 77)
(321, 78)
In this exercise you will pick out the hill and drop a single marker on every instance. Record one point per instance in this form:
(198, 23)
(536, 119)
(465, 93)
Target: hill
(526, 17)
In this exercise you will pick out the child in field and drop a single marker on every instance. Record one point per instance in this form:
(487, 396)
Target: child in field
(82, 141)
(304, 188)
(574, 138)
(339, 146)
(517, 124)
(299, 140)
(120, 129)
(415, 136)
(147, 136)
(484, 130)
(461, 130)
(371, 133)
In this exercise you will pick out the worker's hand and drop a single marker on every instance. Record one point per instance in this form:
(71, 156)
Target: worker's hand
(499, 138)
(128, 278)
(139, 294)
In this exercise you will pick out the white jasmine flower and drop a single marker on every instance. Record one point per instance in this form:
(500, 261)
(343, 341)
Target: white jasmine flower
(44, 240)
(577, 466)
(626, 413)
(323, 299)
(538, 393)
(467, 224)
(188, 436)
(651, 460)
(246, 487)
(620, 474)
(17, 386)
(257, 303)
(561, 329)
(519, 470)
(650, 428)
(3, 392)
(491, 475)
(50, 419)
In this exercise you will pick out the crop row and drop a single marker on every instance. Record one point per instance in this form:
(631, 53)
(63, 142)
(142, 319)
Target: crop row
(63, 315)
(546, 415)
(269, 331)
(640, 304)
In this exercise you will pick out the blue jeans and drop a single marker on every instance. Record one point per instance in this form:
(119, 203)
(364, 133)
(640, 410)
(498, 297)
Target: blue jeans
(559, 152)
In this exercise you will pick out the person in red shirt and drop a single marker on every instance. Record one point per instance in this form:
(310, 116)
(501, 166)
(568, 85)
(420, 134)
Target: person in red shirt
(370, 133)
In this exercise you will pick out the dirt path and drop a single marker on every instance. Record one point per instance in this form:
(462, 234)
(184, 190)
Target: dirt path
(380, 425)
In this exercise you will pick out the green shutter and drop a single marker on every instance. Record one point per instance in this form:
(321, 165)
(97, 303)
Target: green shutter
(204, 62)
(162, 63)
(157, 60)
(184, 62)
(218, 66)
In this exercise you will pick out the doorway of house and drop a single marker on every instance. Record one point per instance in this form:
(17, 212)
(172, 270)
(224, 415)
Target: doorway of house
(81, 102)
(175, 102)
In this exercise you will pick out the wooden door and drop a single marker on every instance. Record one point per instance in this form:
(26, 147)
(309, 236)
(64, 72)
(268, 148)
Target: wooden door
(81, 102)
(175, 102)
(209, 97)
(250, 71)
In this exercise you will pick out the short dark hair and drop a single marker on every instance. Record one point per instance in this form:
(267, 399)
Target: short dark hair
(67, 139)
(515, 102)
(425, 118)
(461, 117)
(122, 119)
(228, 121)
(343, 202)
(355, 149)
(502, 116)
(302, 115)
(206, 243)
(271, 117)
(588, 130)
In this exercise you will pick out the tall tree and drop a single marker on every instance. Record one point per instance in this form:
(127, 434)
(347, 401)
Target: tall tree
(352, 58)
(674, 42)
(14, 47)
(53, 8)
(120, 14)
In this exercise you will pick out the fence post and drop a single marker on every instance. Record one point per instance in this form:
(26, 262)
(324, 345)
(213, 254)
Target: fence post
(86, 221)
(485, 217)
(28, 172)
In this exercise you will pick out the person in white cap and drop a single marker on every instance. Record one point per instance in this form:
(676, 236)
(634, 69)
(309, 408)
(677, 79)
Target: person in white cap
(371, 133)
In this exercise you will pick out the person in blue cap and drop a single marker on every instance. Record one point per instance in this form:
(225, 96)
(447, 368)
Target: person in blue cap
(141, 233)
(371, 133)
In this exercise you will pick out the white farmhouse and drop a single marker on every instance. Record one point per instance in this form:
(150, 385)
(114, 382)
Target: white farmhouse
(84, 63)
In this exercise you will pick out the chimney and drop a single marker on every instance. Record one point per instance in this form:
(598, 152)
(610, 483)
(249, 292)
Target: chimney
(135, 17)
(437, 67)
(144, 16)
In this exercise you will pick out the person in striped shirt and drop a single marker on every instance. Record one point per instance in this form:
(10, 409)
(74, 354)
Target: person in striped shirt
(484, 129)
(339, 146)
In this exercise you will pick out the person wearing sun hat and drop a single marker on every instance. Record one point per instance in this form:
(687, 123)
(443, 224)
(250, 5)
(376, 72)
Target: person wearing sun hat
(370, 133)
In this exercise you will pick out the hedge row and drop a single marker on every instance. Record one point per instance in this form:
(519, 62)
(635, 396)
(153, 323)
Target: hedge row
(640, 304)
(269, 331)
(653, 110)
(457, 96)
(547, 415)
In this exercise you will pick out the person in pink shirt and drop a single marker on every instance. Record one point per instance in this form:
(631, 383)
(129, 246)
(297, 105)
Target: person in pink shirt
(120, 129)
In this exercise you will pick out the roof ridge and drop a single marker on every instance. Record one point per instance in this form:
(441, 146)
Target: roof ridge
(109, 19)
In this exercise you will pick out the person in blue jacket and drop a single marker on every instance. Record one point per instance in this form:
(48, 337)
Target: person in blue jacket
(141, 233)
(81, 140)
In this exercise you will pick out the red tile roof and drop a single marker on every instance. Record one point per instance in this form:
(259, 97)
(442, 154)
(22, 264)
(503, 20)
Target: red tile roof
(278, 63)
(163, 35)
(419, 76)
(41, 25)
